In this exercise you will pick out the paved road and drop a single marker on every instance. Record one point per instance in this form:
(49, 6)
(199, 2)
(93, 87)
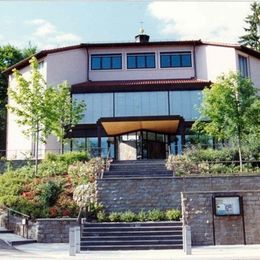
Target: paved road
(60, 251)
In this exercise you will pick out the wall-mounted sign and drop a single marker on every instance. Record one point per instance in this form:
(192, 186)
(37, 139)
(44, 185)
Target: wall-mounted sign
(227, 205)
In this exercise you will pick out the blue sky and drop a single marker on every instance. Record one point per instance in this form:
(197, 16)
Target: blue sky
(50, 24)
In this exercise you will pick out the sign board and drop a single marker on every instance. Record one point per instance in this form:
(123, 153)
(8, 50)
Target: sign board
(24, 221)
(227, 206)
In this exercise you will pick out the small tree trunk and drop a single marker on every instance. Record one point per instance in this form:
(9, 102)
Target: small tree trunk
(240, 155)
(37, 150)
(61, 146)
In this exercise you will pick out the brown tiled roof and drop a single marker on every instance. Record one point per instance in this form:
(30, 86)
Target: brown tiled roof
(139, 85)
(44, 53)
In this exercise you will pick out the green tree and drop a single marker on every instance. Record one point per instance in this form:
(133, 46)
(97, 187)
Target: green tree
(252, 36)
(30, 103)
(9, 55)
(230, 110)
(29, 51)
(67, 111)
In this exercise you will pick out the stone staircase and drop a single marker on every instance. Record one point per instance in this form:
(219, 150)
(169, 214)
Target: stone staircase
(12, 239)
(132, 236)
(137, 169)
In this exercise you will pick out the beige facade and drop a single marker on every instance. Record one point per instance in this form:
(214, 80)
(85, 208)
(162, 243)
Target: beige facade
(73, 65)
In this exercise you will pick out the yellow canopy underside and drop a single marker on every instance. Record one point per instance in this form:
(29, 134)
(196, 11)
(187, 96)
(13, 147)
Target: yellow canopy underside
(121, 127)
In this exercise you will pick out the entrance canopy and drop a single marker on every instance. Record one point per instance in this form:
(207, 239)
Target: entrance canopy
(121, 125)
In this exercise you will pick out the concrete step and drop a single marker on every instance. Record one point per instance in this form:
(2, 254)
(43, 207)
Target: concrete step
(131, 233)
(131, 228)
(137, 174)
(131, 247)
(130, 238)
(145, 161)
(134, 224)
(22, 242)
(131, 242)
(14, 240)
(3, 230)
(141, 169)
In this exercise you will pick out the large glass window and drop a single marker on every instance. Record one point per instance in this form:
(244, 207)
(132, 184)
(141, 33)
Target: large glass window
(90, 144)
(141, 103)
(97, 105)
(106, 61)
(140, 60)
(243, 67)
(185, 103)
(175, 59)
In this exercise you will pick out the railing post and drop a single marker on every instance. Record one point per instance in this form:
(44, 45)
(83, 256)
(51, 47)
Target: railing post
(8, 219)
(77, 238)
(72, 244)
(187, 240)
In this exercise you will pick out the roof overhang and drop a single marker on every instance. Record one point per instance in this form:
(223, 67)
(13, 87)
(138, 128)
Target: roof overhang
(123, 125)
(139, 85)
(194, 43)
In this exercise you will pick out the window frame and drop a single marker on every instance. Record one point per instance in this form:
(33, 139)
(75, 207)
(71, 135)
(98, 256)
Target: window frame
(175, 53)
(106, 55)
(140, 54)
(245, 58)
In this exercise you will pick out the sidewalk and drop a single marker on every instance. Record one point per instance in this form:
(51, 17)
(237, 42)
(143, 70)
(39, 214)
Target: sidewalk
(61, 251)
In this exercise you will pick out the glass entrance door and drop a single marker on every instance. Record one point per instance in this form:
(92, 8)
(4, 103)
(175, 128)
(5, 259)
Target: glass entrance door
(142, 145)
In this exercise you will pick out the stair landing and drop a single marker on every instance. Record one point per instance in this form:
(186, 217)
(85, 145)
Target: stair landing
(138, 169)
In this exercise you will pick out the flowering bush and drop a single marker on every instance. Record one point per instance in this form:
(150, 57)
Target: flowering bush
(85, 194)
(83, 172)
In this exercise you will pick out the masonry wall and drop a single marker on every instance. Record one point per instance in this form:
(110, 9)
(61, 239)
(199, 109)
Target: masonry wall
(164, 193)
(47, 230)
(197, 213)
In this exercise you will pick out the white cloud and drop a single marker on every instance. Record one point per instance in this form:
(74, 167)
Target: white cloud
(67, 37)
(46, 35)
(213, 21)
(36, 21)
(45, 29)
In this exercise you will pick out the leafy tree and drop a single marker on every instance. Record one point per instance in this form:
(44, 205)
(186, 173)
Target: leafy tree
(252, 36)
(42, 109)
(230, 110)
(31, 105)
(9, 55)
(67, 111)
(29, 51)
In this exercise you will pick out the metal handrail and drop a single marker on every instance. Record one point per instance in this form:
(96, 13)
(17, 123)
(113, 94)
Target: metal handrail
(17, 212)
(24, 223)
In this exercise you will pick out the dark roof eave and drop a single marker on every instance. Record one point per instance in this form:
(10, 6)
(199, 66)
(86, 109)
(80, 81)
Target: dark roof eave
(138, 85)
(41, 54)
(44, 53)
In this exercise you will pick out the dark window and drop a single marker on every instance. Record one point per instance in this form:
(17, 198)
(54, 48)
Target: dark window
(106, 61)
(243, 68)
(141, 61)
(175, 59)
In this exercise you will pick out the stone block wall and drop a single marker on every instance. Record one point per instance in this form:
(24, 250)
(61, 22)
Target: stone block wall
(164, 193)
(43, 230)
(15, 224)
(54, 230)
(197, 213)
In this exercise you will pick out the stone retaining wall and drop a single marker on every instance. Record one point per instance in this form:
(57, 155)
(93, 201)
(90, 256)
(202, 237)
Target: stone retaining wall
(43, 230)
(197, 213)
(164, 193)
(54, 230)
